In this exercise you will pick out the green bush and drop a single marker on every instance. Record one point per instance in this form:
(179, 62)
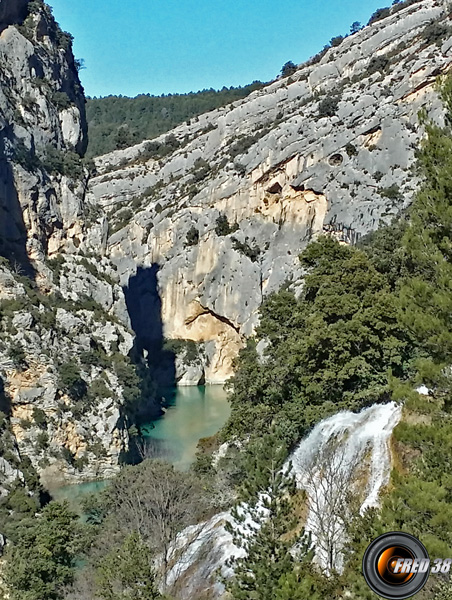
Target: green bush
(288, 69)
(202, 170)
(336, 41)
(39, 417)
(380, 13)
(328, 106)
(351, 150)
(26, 157)
(63, 162)
(252, 252)
(61, 100)
(436, 33)
(71, 381)
(42, 441)
(392, 192)
(99, 389)
(17, 354)
(378, 63)
(157, 150)
(222, 226)
(122, 218)
(192, 238)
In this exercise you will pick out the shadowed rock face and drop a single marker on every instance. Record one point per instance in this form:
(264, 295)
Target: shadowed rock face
(12, 12)
(62, 315)
(285, 168)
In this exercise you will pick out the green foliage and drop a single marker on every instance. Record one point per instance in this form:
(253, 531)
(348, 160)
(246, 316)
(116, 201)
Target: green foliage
(56, 265)
(222, 226)
(436, 33)
(386, 252)
(392, 192)
(266, 541)
(127, 572)
(288, 69)
(39, 417)
(332, 348)
(42, 560)
(99, 389)
(61, 100)
(146, 117)
(26, 157)
(15, 507)
(251, 252)
(336, 41)
(35, 6)
(71, 381)
(42, 441)
(328, 106)
(351, 150)
(378, 63)
(425, 293)
(188, 348)
(245, 142)
(380, 13)
(192, 238)
(17, 354)
(122, 218)
(124, 138)
(63, 162)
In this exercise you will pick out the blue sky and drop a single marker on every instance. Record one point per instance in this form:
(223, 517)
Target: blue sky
(168, 46)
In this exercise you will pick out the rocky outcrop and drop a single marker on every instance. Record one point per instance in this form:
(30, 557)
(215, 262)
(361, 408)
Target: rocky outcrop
(64, 327)
(328, 150)
(180, 238)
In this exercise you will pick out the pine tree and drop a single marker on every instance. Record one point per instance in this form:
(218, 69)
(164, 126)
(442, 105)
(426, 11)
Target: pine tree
(264, 529)
(126, 573)
(426, 292)
(42, 561)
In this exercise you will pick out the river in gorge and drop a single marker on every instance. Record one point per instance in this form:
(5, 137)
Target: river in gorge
(193, 413)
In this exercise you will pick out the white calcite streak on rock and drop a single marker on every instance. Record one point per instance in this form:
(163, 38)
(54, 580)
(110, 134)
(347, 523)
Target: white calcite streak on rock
(359, 439)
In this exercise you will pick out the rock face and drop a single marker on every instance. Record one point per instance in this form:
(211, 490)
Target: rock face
(64, 328)
(327, 150)
(180, 238)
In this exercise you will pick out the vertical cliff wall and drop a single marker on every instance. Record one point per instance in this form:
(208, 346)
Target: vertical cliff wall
(327, 150)
(64, 328)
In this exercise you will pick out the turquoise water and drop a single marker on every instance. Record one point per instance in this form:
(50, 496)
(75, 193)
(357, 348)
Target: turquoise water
(193, 413)
(74, 493)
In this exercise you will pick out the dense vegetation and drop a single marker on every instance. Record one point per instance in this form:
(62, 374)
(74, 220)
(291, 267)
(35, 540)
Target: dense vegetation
(117, 122)
(371, 323)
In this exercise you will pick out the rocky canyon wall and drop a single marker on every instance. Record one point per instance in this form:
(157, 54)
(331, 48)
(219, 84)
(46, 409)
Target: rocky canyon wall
(328, 150)
(63, 320)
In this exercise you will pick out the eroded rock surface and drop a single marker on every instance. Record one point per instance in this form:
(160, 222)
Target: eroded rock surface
(60, 304)
(328, 150)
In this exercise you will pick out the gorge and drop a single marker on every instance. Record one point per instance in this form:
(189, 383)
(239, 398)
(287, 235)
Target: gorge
(294, 243)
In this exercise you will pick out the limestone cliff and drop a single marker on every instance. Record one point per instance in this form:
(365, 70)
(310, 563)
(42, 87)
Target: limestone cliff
(182, 237)
(328, 150)
(64, 329)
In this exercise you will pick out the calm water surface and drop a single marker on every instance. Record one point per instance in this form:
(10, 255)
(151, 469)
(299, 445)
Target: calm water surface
(194, 413)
